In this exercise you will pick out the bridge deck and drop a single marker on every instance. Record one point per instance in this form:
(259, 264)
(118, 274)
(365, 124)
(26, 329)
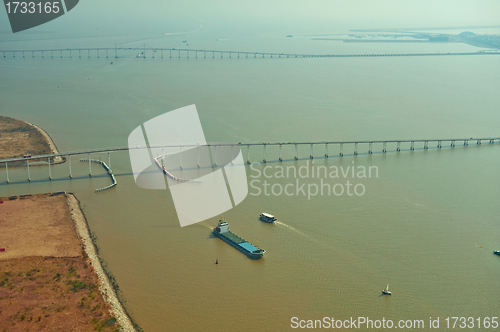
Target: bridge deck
(86, 152)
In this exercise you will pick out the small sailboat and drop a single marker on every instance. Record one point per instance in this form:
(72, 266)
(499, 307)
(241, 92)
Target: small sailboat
(386, 290)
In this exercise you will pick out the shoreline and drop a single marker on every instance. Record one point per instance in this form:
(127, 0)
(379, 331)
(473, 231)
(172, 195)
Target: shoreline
(52, 145)
(106, 288)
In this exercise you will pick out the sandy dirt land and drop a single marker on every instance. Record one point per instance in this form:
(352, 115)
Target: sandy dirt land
(19, 138)
(51, 278)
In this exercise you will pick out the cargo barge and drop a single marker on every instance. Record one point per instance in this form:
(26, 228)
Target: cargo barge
(223, 232)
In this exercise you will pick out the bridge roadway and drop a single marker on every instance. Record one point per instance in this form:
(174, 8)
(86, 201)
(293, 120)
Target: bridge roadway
(184, 52)
(265, 144)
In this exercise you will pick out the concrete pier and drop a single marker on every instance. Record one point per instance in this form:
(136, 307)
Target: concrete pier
(28, 164)
(69, 161)
(50, 173)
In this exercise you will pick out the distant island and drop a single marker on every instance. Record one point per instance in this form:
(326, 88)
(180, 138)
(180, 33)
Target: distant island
(404, 36)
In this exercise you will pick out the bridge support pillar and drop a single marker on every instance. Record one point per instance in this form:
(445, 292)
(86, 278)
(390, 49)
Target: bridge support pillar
(204, 54)
(248, 154)
(412, 146)
(50, 173)
(263, 159)
(162, 161)
(491, 141)
(109, 160)
(398, 148)
(196, 55)
(106, 53)
(478, 142)
(198, 152)
(170, 54)
(370, 148)
(69, 160)
(326, 150)
(312, 150)
(247, 55)
(281, 153)
(229, 55)
(90, 166)
(341, 149)
(215, 156)
(29, 176)
(356, 148)
(296, 151)
(79, 54)
(180, 157)
(232, 160)
(426, 145)
(255, 55)
(384, 148)
(452, 144)
(161, 54)
(439, 144)
(466, 142)
(7, 171)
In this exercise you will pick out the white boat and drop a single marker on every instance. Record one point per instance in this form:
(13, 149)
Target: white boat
(266, 217)
(386, 290)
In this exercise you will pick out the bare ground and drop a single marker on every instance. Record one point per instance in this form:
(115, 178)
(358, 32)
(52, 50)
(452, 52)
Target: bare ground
(50, 276)
(19, 138)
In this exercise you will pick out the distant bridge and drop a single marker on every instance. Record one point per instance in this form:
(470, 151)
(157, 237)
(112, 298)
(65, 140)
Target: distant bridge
(149, 52)
(437, 143)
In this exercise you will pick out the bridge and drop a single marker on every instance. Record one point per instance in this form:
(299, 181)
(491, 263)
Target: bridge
(423, 144)
(121, 52)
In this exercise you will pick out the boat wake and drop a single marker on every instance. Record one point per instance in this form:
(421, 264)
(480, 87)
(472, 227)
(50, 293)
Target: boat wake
(295, 230)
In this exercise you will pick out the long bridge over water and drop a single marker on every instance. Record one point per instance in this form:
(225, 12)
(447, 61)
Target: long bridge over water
(149, 52)
(399, 145)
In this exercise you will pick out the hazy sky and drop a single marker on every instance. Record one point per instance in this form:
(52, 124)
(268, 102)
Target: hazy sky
(170, 16)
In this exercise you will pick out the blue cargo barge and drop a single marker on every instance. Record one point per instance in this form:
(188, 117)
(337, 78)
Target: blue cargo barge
(223, 232)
